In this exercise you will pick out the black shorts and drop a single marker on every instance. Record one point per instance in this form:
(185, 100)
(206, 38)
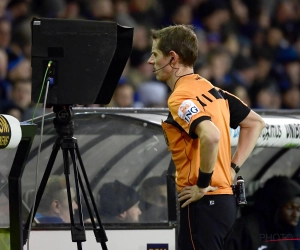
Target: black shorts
(204, 224)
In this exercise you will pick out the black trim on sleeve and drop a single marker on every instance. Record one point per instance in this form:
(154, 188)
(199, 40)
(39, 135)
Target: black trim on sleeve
(238, 110)
(216, 94)
(194, 125)
(170, 120)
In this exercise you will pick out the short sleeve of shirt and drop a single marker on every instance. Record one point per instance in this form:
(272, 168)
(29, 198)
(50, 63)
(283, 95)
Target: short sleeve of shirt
(187, 112)
(238, 110)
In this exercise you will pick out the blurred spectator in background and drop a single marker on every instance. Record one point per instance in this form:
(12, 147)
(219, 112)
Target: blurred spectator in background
(3, 6)
(273, 223)
(146, 12)
(19, 68)
(12, 109)
(71, 10)
(153, 203)
(139, 70)
(118, 203)
(286, 19)
(5, 33)
(18, 9)
(220, 62)
(21, 39)
(21, 98)
(241, 92)
(267, 97)
(291, 98)
(287, 67)
(245, 72)
(49, 8)
(249, 47)
(214, 15)
(153, 94)
(203, 69)
(21, 95)
(122, 15)
(123, 96)
(182, 14)
(231, 44)
(4, 86)
(54, 206)
(101, 10)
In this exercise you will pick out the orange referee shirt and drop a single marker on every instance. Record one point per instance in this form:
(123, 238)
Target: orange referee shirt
(193, 100)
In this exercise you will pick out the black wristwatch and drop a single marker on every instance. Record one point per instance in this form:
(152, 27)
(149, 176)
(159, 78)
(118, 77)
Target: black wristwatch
(235, 167)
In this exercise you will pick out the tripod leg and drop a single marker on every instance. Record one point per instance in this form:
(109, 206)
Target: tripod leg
(77, 231)
(41, 189)
(87, 202)
(99, 231)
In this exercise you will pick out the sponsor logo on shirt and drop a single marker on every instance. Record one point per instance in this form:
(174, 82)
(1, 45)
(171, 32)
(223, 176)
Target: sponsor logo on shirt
(187, 109)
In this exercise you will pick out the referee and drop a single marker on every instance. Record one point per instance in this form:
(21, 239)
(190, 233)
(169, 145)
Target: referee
(197, 132)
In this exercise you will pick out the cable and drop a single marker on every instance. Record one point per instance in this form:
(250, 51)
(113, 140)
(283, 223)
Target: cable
(4, 185)
(39, 151)
(38, 102)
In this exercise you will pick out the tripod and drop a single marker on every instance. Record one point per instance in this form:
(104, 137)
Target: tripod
(65, 129)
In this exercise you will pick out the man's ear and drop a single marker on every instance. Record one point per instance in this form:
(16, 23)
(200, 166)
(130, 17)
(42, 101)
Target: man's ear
(173, 56)
(122, 216)
(55, 206)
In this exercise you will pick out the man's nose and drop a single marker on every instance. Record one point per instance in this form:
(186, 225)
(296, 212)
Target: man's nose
(296, 213)
(150, 60)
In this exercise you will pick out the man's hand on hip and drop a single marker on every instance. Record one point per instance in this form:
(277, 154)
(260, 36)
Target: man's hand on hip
(193, 193)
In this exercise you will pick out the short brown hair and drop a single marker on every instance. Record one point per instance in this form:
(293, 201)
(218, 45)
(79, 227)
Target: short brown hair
(53, 191)
(180, 38)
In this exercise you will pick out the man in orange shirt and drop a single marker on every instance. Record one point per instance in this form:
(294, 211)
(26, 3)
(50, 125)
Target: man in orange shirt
(197, 132)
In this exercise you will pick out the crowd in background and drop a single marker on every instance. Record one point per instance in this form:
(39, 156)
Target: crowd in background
(250, 48)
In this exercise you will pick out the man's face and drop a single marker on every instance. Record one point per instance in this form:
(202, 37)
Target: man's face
(64, 206)
(22, 94)
(133, 214)
(158, 60)
(124, 96)
(5, 34)
(160, 197)
(290, 212)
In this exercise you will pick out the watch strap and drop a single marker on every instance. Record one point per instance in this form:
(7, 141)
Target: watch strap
(235, 167)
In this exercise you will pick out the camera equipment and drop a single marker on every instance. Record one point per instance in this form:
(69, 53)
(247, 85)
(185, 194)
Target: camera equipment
(239, 191)
(88, 58)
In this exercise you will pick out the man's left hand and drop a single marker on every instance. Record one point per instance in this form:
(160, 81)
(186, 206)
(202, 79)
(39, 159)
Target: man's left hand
(193, 193)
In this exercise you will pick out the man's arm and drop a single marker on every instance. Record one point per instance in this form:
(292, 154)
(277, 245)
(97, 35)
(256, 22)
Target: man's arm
(251, 125)
(250, 129)
(209, 136)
